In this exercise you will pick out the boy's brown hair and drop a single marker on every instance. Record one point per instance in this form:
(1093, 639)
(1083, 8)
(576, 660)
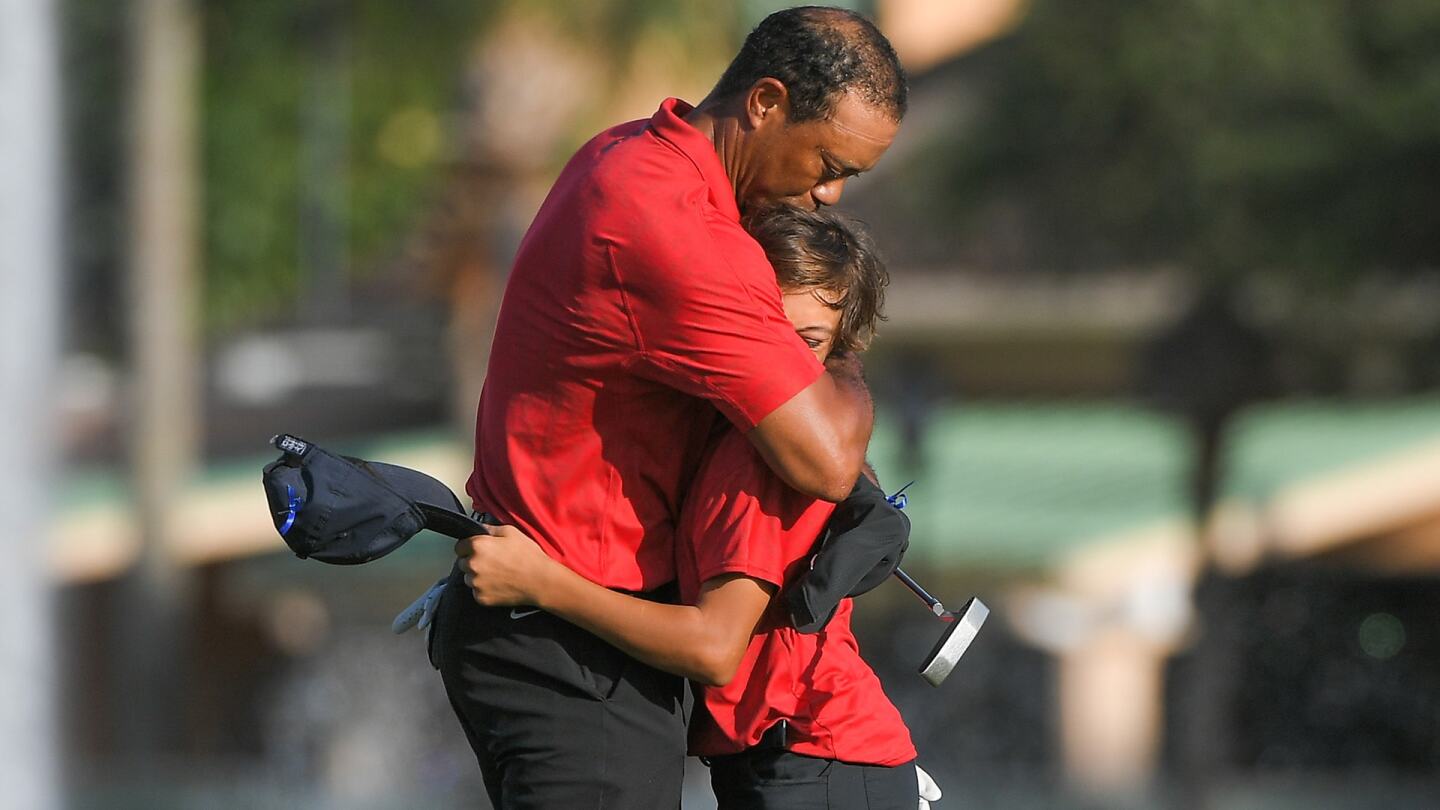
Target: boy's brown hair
(823, 250)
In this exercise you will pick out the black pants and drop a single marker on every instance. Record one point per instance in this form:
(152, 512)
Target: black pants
(557, 717)
(771, 780)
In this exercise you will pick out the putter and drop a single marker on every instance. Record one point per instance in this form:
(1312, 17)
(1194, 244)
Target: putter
(953, 643)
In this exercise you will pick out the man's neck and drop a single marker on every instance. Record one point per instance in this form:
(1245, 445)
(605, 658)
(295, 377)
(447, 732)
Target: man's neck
(715, 122)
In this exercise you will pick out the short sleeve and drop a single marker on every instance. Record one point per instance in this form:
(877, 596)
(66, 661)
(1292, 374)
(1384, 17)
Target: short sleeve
(707, 319)
(744, 520)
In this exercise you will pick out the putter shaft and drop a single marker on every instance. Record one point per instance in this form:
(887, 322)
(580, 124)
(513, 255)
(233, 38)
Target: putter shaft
(935, 606)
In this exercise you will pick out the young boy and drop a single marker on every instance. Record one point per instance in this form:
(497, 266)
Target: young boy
(784, 719)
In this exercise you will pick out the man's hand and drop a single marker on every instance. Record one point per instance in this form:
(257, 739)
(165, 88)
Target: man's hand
(503, 567)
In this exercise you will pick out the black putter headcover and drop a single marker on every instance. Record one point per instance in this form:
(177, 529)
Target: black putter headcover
(861, 547)
(346, 511)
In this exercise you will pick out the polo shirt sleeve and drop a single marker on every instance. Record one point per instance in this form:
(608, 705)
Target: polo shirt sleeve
(707, 321)
(746, 520)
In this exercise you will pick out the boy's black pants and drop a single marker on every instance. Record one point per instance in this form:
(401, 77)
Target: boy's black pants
(775, 779)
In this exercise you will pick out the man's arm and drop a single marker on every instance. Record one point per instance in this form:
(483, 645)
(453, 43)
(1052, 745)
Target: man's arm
(816, 441)
(710, 324)
(704, 642)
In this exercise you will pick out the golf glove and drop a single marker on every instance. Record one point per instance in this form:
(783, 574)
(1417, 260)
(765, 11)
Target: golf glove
(421, 611)
(929, 791)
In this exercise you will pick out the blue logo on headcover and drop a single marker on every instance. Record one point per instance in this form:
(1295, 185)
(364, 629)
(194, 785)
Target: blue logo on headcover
(296, 502)
(899, 499)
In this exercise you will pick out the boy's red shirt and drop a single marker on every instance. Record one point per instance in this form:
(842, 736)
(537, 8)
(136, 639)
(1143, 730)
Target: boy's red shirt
(832, 700)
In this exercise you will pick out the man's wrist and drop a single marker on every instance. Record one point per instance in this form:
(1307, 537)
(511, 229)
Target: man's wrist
(846, 366)
(849, 373)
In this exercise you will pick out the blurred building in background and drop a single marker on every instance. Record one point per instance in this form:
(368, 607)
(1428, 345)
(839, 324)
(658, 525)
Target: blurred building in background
(1161, 360)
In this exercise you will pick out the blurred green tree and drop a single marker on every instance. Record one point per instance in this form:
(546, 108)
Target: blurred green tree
(1298, 136)
(393, 67)
(328, 124)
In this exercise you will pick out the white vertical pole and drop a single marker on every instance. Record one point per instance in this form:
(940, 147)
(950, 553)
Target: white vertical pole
(29, 339)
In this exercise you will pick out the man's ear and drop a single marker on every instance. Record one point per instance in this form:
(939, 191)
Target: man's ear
(768, 100)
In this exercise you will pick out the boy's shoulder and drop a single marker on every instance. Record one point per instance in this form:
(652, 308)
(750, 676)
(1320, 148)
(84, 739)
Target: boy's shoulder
(736, 492)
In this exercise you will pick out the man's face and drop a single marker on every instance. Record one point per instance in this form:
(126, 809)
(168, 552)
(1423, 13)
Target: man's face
(806, 164)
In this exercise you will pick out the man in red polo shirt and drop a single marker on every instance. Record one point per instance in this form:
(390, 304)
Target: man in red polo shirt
(636, 309)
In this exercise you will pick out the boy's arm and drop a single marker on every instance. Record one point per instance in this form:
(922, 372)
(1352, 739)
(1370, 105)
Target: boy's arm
(704, 642)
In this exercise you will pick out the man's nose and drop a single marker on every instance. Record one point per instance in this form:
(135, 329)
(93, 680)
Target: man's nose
(828, 193)
(804, 201)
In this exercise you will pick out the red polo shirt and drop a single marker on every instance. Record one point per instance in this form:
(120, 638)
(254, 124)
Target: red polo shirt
(636, 306)
(740, 518)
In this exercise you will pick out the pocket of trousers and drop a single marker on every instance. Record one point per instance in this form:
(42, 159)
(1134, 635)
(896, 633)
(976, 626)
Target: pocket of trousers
(604, 667)
(434, 630)
(438, 620)
(783, 767)
(608, 670)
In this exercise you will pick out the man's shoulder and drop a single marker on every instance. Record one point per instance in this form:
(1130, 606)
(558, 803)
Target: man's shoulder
(648, 202)
(630, 189)
(632, 159)
(656, 202)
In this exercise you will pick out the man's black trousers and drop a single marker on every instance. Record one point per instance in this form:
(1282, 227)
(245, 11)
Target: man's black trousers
(557, 717)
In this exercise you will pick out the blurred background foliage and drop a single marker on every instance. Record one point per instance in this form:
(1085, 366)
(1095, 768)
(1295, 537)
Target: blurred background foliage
(400, 72)
(1228, 138)
(393, 70)
(1297, 138)
(327, 126)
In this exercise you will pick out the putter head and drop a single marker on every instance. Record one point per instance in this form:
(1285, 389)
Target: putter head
(954, 641)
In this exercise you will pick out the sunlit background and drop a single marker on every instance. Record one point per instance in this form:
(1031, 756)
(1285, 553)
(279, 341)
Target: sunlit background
(1163, 362)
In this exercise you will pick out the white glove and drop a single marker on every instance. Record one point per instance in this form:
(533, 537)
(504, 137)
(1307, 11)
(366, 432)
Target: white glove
(929, 791)
(421, 611)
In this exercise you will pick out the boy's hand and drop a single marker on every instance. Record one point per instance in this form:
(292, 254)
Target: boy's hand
(503, 567)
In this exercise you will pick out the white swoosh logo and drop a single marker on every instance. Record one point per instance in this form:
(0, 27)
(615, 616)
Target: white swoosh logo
(516, 613)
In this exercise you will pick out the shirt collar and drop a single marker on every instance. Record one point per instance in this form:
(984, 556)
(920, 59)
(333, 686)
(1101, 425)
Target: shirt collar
(669, 123)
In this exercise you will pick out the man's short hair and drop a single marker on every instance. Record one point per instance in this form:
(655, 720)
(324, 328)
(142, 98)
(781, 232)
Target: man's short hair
(819, 53)
(824, 250)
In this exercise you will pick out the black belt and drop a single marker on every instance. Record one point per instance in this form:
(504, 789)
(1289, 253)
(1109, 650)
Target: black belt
(775, 738)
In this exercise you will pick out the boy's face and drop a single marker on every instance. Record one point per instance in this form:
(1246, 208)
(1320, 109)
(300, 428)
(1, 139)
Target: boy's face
(814, 316)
